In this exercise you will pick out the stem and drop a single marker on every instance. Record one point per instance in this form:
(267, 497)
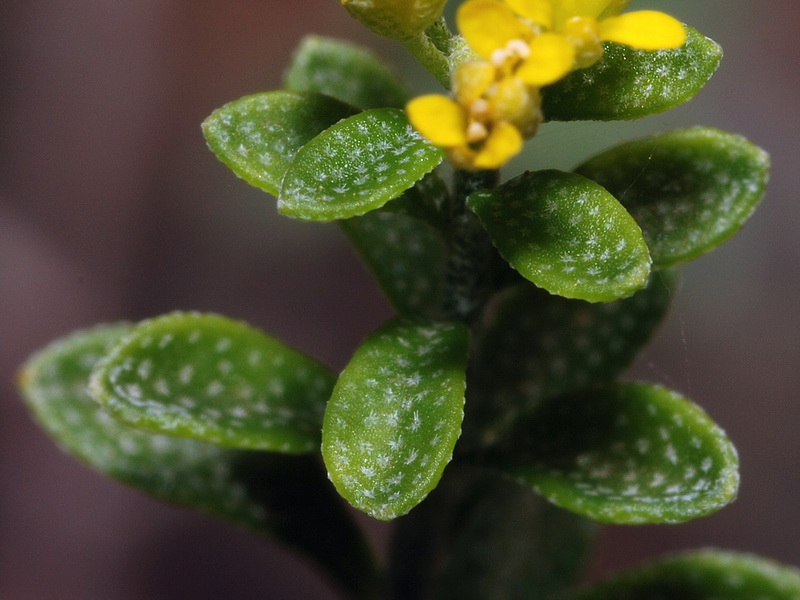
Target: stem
(441, 36)
(431, 48)
(467, 273)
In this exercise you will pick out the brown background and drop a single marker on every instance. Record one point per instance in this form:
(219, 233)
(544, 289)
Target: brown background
(112, 208)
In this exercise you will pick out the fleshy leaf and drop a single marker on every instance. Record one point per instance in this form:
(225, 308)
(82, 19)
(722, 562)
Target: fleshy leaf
(482, 536)
(356, 166)
(345, 71)
(258, 136)
(701, 575)
(395, 415)
(689, 190)
(566, 234)
(536, 346)
(406, 253)
(211, 378)
(626, 454)
(628, 83)
(285, 497)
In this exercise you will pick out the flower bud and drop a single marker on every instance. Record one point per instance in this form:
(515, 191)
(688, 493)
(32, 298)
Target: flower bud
(395, 18)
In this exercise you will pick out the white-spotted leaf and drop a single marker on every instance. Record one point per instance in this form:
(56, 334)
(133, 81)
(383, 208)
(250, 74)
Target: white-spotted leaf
(689, 190)
(626, 454)
(701, 575)
(395, 415)
(566, 234)
(345, 71)
(285, 497)
(258, 136)
(404, 248)
(628, 83)
(54, 383)
(210, 378)
(356, 166)
(534, 346)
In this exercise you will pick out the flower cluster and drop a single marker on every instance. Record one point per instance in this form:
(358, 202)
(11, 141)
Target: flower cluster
(522, 46)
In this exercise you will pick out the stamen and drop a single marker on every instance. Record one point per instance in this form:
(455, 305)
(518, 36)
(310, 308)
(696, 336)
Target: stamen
(479, 108)
(476, 132)
(518, 48)
(499, 57)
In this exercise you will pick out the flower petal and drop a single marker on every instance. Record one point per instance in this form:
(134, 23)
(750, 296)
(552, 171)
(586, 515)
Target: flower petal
(472, 79)
(643, 29)
(438, 118)
(538, 11)
(551, 57)
(503, 142)
(566, 9)
(488, 25)
(614, 8)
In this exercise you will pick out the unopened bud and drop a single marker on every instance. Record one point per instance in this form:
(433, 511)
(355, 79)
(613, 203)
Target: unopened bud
(395, 18)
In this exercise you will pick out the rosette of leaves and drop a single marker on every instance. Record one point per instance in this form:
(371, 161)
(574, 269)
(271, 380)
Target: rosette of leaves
(519, 307)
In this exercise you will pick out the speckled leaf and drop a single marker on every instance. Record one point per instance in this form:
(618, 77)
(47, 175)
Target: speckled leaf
(395, 415)
(701, 575)
(627, 454)
(211, 378)
(566, 234)
(480, 535)
(406, 254)
(629, 83)
(344, 71)
(535, 346)
(356, 166)
(286, 497)
(258, 136)
(689, 190)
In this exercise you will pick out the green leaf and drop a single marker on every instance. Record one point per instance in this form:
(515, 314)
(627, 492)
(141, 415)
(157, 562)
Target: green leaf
(535, 346)
(689, 190)
(629, 83)
(213, 379)
(566, 234)
(258, 136)
(406, 256)
(285, 497)
(482, 536)
(356, 166)
(626, 454)
(395, 415)
(403, 250)
(701, 575)
(344, 71)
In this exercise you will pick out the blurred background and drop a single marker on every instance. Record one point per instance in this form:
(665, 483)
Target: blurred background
(112, 208)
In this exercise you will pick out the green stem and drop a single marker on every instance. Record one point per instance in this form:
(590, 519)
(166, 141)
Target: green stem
(468, 269)
(431, 49)
(441, 36)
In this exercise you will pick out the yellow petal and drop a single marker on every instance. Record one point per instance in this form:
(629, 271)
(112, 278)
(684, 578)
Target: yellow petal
(566, 9)
(439, 119)
(503, 142)
(614, 8)
(551, 57)
(538, 11)
(644, 29)
(488, 25)
(472, 79)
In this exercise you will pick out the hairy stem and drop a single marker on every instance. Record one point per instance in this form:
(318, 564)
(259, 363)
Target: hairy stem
(432, 49)
(467, 274)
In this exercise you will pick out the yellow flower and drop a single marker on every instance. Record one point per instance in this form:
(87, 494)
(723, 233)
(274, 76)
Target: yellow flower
(516, 46)
(482, 126)
(540, 41)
